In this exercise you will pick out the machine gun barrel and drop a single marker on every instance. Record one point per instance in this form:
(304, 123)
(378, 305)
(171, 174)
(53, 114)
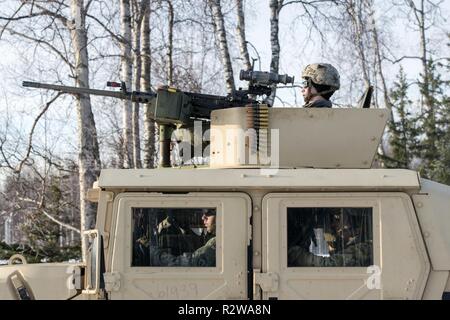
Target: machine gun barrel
(135, 96)
(168, 105)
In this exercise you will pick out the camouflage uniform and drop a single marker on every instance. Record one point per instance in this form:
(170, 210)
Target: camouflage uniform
(205, 256)
(318, 104)
(355, 255)
(202, 257)
(300, 257)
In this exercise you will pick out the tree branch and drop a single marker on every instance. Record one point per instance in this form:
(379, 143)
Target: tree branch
(401, 58)
(60, 223)
(40, 41)
(306, 2)
(9, 19)
(30, 138)
(63, 19)
(118, 38)
(5, 157)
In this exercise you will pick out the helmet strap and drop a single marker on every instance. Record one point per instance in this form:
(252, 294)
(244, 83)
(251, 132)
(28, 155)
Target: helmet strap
(312, 95)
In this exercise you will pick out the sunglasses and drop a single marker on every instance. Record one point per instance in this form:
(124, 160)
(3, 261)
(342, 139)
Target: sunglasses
(305, 83)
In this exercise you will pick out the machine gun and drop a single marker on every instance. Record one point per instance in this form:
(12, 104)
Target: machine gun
(175, 107)
(171, 107)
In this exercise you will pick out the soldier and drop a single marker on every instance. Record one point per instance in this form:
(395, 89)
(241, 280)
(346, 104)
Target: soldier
(357, 254)
(321, 80)
(204, 256)
(353, 253)
(300, 236)
(352, 250)
(170, 235)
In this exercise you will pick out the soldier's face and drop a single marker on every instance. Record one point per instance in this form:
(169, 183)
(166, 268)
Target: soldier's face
(210, 223)
(307, 91)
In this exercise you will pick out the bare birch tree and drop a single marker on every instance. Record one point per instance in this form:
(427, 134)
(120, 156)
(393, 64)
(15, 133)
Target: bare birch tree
(220, 32)
(149, 124)
(379, 55)
(419, 17)
(88, 155)
(89, 158)
(139, 8)
(378, 65)
(358, 19)
(275, 8)
(241, 35)
(170, 25)
(126, 77)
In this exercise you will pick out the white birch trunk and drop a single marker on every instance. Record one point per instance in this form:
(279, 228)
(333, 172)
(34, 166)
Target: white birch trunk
(137, 13)
(89, 159)
(275, 8)
(430, 128)
(219, 26)
(170, 44)
(149, 124)
(355, 11)
(126, 76)
(420, 14)
(241, 35)
(387, 101)
(378, 55)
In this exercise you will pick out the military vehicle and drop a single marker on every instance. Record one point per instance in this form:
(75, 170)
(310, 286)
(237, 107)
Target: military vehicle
(298, 211)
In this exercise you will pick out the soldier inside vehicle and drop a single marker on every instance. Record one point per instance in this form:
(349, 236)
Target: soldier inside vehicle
(329, 237)
(174, 237)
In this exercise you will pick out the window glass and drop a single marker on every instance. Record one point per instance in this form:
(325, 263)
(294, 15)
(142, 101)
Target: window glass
(329, 237)
(174, 237)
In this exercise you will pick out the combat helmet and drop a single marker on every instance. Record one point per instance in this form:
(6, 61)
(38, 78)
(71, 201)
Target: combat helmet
(323, 74)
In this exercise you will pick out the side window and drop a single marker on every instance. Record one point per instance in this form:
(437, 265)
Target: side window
(174, 237)
(329, 237)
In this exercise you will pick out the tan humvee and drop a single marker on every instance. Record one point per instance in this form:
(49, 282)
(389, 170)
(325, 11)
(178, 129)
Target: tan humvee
(319, 171)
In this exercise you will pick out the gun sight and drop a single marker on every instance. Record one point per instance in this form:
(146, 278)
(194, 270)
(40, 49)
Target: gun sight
(262, 78)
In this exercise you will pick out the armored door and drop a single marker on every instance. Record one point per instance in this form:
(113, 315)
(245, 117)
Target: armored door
(179, 246)
(341, 246)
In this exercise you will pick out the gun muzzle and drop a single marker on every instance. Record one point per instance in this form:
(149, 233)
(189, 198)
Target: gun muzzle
(30, 84)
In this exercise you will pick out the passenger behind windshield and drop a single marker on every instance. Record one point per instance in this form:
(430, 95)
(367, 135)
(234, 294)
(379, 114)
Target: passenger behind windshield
(175, 237)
